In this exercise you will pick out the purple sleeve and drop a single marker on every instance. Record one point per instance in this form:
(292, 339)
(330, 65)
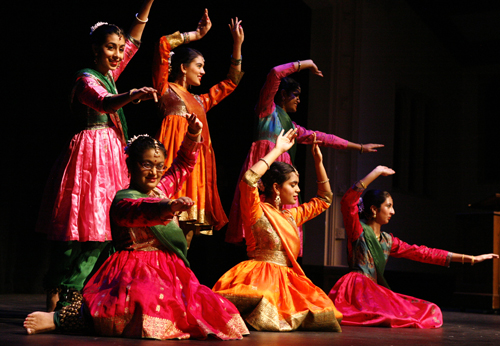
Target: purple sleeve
(304, 136)
(182, 166)
(421, 253)
(266, 99)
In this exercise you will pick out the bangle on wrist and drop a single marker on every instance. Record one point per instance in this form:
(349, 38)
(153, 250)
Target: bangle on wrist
(323, 182)
(267, 164)
(361, 149)
(187, 38)
(463, 258)
(298, 68)
(362, 184)
(472, 260)
(236, 62)
(136, 101)
(140, 20)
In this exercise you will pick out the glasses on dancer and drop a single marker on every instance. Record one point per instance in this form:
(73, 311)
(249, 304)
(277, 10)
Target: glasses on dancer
(148, 166)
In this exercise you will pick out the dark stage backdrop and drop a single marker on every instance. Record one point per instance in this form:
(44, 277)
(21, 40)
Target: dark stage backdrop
(48, 43)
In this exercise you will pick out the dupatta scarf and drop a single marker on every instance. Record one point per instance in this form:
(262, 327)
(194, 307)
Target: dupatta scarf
(377, 253)
(287, 125)
(170, 235)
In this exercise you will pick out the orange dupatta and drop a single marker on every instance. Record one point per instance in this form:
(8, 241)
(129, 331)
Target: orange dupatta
(288, 233)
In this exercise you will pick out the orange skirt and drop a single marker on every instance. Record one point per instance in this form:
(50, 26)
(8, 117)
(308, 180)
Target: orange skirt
(274, 298)
(200, 186)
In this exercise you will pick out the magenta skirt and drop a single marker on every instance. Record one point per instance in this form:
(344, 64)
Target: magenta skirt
(365, 303)
(152, 294)
(82, 186)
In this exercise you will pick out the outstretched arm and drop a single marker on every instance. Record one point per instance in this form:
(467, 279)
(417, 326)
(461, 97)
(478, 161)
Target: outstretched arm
(472, 259)
(305, 136)
(141, 18)
(115, 102)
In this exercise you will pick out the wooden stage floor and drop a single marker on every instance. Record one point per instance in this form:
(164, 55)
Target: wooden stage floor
(460, 328)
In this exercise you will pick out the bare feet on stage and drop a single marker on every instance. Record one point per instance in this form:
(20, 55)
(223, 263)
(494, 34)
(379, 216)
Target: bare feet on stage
(39, 322)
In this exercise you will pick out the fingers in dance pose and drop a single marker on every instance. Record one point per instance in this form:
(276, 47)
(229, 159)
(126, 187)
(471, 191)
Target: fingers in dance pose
(363, 296)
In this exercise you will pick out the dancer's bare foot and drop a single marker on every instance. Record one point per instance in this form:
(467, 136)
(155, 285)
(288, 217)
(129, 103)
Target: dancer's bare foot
(39, 322)
(52, 299)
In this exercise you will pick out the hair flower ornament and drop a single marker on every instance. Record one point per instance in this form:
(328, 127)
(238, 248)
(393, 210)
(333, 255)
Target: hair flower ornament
(360, 205)
(96, 25)
(131, 140)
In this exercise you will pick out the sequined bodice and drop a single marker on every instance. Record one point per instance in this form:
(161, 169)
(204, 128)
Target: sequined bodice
(268, 245)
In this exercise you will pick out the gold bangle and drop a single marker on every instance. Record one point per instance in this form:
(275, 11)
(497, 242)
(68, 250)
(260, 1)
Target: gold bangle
(472, 261)
(361, 150)
(267, 164)
(298, 69)
(362, 184)
(135, 102)
(187, 38)
(463, 257)
(322, 182)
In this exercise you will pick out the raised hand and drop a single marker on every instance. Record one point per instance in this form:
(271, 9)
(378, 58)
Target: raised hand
(194, 124)
(237, 31)
(310, 65)
(384, 171)
(204, 25)
(316, 151)
(285, 141)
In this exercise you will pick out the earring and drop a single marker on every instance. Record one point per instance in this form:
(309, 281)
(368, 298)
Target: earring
(374, 215)
(184, 78)
(277, 200)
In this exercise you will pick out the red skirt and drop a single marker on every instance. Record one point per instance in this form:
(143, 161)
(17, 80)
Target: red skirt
(365, 303)
(152, 294)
